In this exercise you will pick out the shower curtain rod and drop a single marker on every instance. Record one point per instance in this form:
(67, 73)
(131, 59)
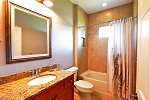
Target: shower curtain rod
(104, 22)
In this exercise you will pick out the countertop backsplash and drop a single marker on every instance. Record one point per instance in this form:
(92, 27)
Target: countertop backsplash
(17, 76)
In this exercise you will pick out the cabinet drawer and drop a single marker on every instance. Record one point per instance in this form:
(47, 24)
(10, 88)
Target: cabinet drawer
(51, 92)
(69, 81)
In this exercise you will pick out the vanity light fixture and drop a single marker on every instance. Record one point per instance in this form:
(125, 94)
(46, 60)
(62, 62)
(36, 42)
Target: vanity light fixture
(104, 4)
(48, 3)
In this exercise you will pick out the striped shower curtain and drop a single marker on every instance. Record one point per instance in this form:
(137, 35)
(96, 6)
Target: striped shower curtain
(121, 57)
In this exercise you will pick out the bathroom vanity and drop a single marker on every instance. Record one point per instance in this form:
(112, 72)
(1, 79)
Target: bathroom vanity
(61, 88)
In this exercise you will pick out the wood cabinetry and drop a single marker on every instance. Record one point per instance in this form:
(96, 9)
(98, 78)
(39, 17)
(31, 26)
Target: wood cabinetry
(66, 94)
(63, 90)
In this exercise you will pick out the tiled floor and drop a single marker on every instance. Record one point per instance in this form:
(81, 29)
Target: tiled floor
(101, 96)
(76, 96)
(96, 96)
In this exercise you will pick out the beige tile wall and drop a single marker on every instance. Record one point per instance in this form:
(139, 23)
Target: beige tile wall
(97, 47)
(135, 8)
(82, 50)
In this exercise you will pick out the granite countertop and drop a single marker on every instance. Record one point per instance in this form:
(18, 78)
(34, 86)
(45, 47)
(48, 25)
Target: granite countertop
(20, 90)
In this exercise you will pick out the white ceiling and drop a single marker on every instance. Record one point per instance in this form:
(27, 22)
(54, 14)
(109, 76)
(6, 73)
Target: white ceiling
(92, 6)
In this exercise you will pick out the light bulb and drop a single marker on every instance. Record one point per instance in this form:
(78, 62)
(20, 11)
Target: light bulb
(47, 3)
(104, 4)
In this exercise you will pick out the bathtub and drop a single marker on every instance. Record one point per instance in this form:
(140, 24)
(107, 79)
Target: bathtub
(99, 80)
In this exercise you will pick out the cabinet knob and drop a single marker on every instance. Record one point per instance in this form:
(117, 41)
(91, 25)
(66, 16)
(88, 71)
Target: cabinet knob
(71, 81)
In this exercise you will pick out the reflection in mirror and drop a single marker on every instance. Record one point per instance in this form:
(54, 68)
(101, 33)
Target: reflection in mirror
(28, 37)
(30, 34)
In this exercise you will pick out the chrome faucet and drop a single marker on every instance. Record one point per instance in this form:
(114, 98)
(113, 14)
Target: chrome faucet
(35, 72)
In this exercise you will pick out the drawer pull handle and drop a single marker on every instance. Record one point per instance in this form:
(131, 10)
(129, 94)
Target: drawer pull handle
(71, 81)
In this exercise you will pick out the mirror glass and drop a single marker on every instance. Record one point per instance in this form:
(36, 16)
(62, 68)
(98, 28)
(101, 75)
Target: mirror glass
(28, 35)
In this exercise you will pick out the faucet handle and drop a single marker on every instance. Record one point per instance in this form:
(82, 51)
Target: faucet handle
(33, 72)
(38, 71)
(57, 66)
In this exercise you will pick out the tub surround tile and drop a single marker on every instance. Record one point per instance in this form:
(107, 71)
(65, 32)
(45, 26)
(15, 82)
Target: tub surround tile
(97, 50)
(20, 90)
(82, 51)
(115, 13)
(98, 47)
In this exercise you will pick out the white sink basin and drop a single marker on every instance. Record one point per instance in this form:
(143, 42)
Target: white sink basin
(41, 79)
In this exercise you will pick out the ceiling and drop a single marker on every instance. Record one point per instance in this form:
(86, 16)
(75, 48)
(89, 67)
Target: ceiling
(92, 6)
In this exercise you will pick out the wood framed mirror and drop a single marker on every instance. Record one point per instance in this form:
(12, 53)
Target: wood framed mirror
(28, 34)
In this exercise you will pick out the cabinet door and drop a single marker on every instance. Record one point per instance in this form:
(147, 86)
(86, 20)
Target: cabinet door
(67, 94)
(51, 92)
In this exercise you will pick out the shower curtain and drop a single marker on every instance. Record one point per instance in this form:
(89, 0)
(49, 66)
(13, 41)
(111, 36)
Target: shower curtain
(121, 57)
